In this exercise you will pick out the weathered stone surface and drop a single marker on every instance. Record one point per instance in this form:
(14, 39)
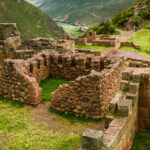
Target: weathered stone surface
(92, 139)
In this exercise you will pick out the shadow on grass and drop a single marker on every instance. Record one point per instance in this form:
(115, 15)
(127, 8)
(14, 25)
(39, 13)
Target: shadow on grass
(76, 119)
(11, 102)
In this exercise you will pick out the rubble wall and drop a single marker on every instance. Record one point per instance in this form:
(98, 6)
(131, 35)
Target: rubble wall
(15, 84)
(70, 66)
(85, 96)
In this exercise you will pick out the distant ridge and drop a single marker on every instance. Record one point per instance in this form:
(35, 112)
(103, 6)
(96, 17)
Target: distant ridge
(31, 21)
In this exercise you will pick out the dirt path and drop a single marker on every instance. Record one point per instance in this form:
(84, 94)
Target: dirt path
(60, 124)
(128, 54)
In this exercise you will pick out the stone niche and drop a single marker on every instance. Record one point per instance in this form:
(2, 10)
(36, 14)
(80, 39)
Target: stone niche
(91, 87)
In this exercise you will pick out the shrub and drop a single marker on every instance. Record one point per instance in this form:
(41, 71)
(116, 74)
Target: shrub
(105, 27)
(145, 13)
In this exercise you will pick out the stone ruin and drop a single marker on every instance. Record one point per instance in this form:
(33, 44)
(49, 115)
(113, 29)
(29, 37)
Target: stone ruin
(12, 47)
(103, 86)
(93, 39)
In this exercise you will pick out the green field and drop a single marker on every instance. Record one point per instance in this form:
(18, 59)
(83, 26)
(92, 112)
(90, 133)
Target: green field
(141, 141)
(50, 85)
(70, 29)
(102, 48)
(142, 38)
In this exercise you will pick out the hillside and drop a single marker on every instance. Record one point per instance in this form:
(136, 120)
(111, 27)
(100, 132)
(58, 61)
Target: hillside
(84, 12)
(31, 21)
(37, 3)
(137, 14)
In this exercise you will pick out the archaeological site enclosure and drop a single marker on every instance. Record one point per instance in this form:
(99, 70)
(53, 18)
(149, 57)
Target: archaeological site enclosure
(102, 84)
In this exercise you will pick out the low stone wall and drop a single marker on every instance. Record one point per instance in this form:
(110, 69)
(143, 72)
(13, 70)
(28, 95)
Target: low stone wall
(81, 41)
(130, 44)
(89, 51)
(78, 41)
(87, 96)
(139, 63)
(107, 43)
(66, 44)
(15, 84)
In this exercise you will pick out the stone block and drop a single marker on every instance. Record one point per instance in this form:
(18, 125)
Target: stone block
(92, 139)
(126, 75)
(133, 88)
(124, 107)
(124, 85)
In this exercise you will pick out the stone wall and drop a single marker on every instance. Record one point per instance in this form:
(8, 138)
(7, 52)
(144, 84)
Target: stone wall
(66, 44)
(71, 66)
(144, 102)
(91, 35)
(89, 51)
(87, 96)
(130, 44)
(78, 41)
(16, 84)
(107, 43)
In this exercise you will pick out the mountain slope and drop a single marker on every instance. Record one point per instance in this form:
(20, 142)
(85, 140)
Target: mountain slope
(85, 12)
(31, 21)
(37, 3)
(136, 14)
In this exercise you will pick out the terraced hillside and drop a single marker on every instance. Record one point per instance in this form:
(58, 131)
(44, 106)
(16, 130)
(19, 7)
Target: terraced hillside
(31, 21)
(84, 12)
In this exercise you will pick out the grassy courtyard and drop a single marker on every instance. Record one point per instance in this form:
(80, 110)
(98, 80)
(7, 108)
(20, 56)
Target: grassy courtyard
(102, 48)
(50, 85)
(142, 37)
(19, 129)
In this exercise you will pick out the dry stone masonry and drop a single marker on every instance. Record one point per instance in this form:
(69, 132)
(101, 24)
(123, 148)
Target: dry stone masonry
(101, 84)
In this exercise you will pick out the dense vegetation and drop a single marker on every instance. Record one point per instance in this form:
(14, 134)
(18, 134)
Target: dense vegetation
(122, 18)
(85, 12)
(105, 27)
(31, 21)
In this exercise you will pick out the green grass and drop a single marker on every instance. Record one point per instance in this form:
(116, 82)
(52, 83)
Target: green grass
(141, 141)
(142, 38)
(134, 50)
(103, 48)
(50, 85)
(70, 29)
(19, 131)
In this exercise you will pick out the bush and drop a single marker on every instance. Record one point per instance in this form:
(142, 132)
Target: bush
(145, 13)
(105, 27)
(121, 19)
